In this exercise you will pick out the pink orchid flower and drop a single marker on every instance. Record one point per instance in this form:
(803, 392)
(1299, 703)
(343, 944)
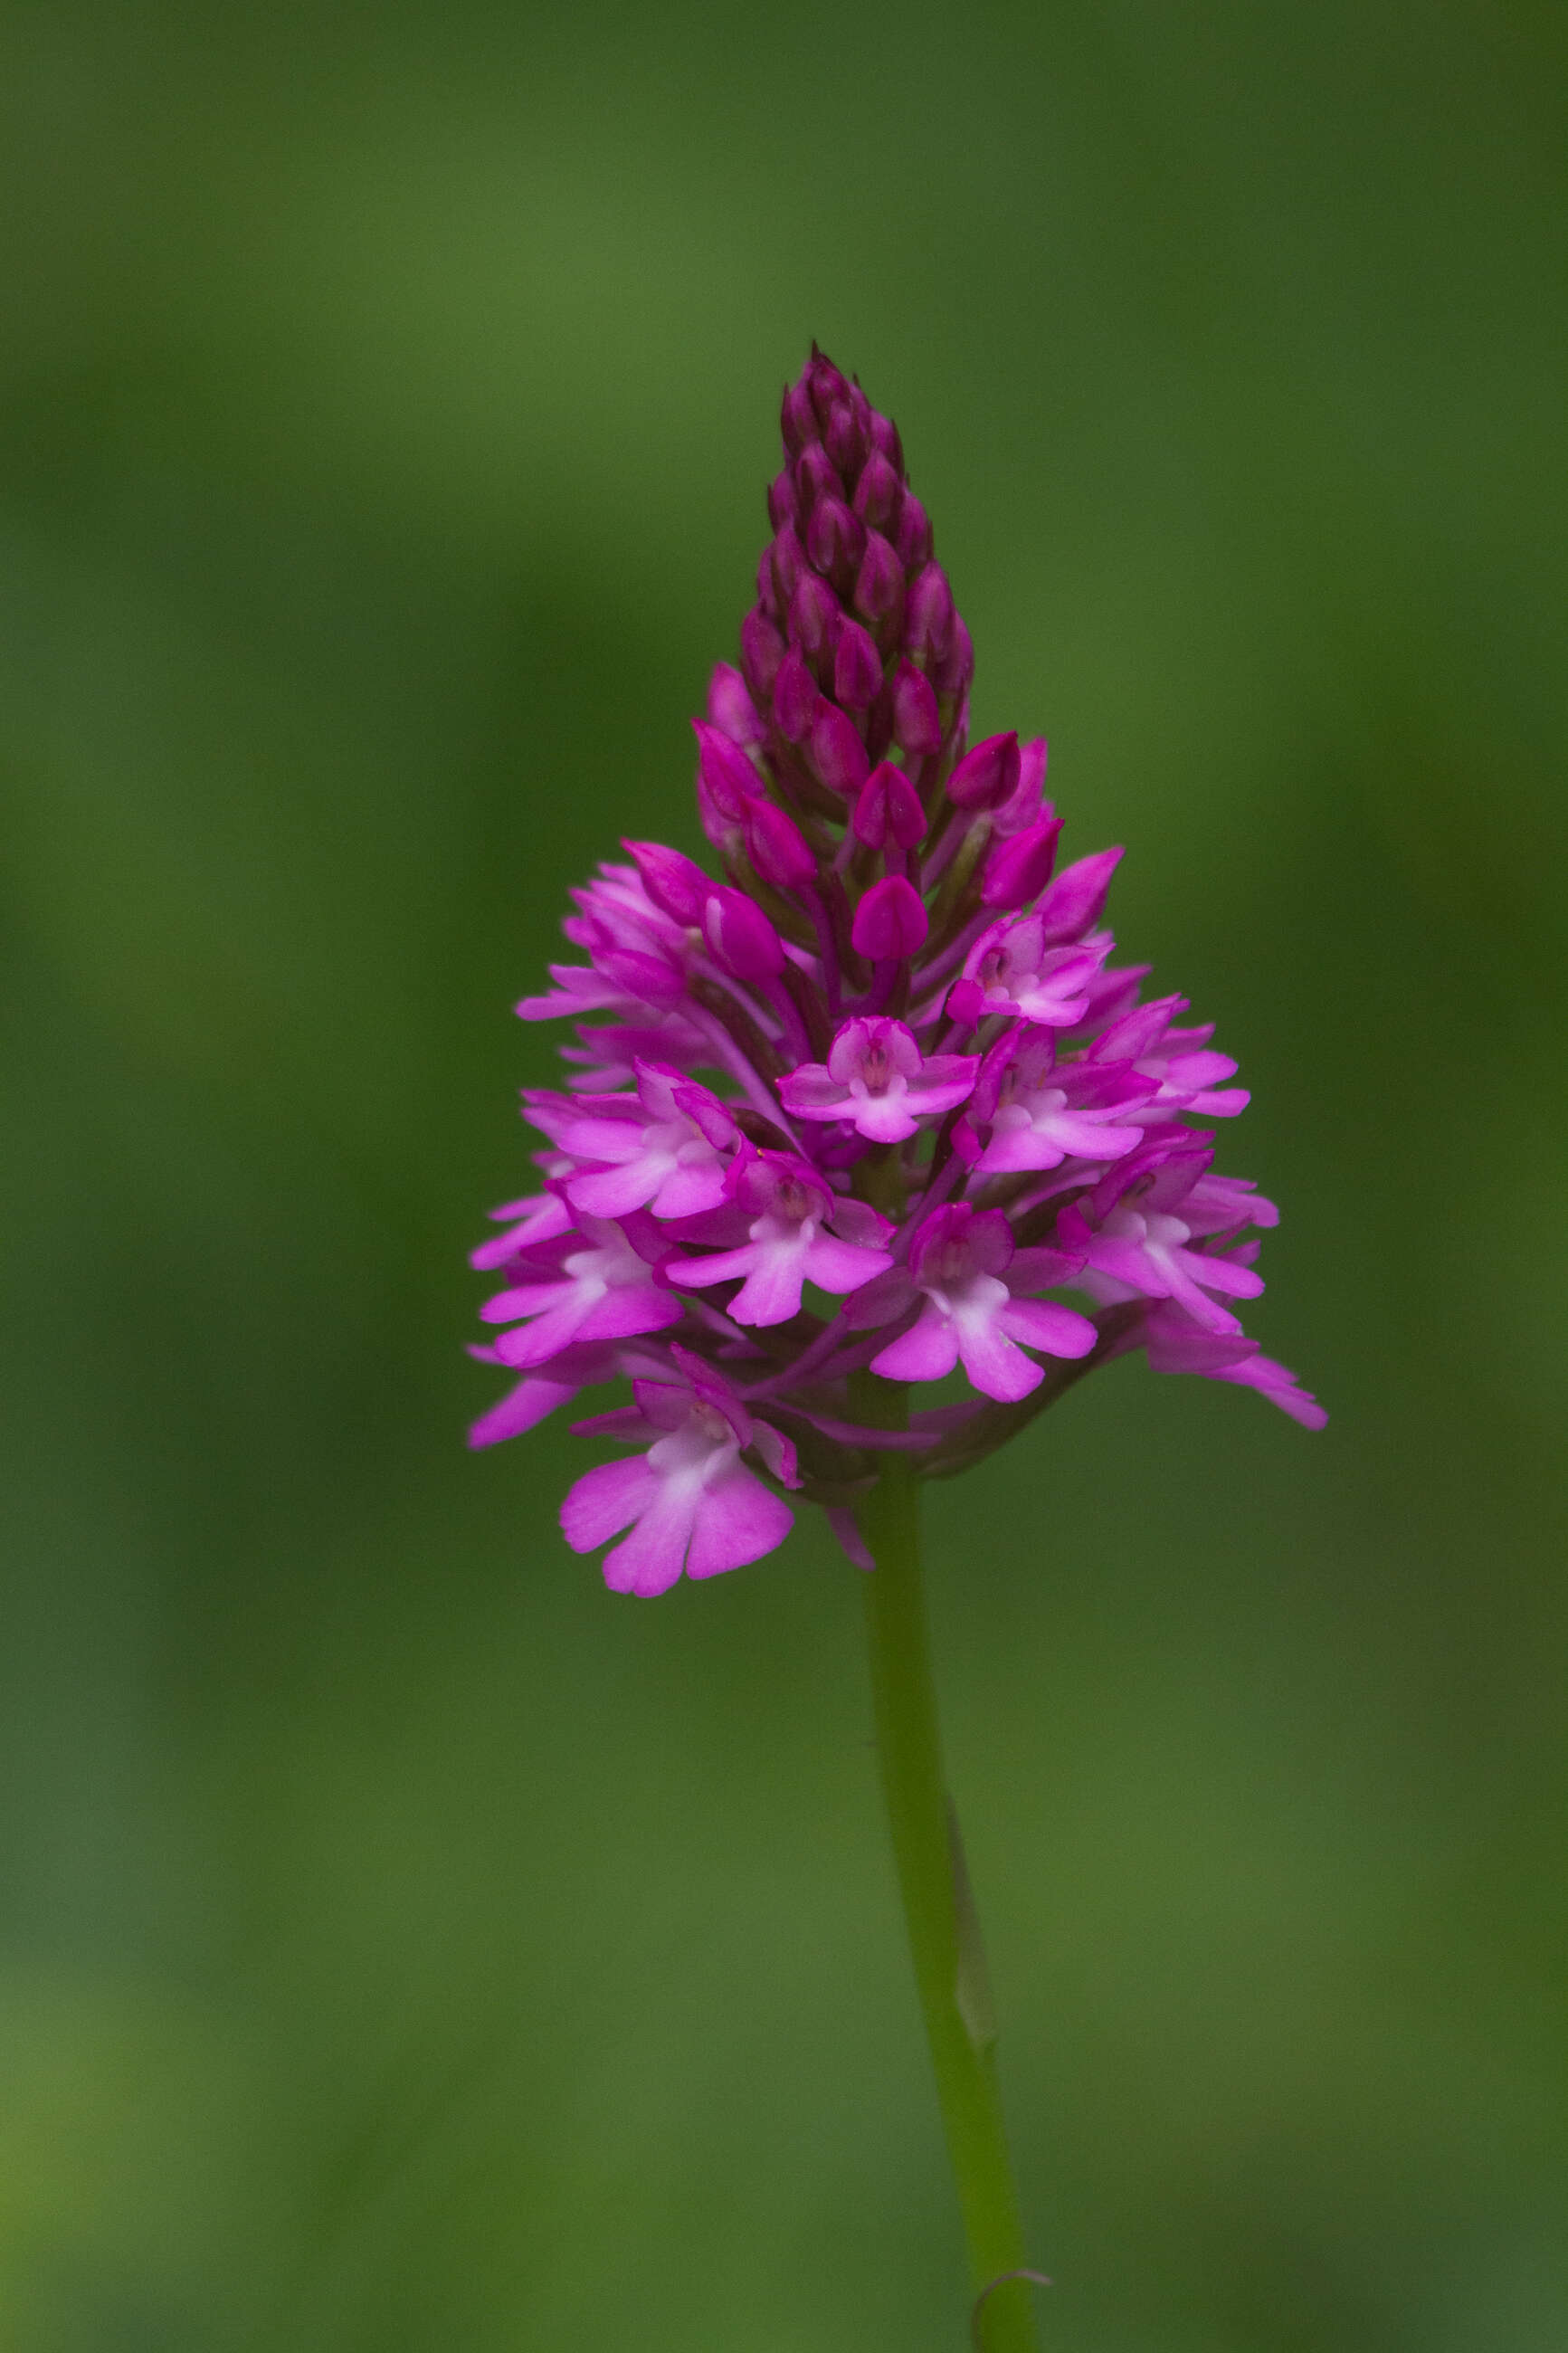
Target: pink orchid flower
(789, 1208)
(690, 1501)
(967, 1273)
(875, 1077)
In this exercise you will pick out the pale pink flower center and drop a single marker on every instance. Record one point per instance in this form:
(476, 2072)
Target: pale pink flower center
(693, 1453)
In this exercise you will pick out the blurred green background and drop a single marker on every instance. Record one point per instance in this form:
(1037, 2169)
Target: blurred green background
(409, 1946)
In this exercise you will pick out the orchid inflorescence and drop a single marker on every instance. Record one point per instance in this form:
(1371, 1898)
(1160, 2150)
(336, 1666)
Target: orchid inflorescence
(849, 1118)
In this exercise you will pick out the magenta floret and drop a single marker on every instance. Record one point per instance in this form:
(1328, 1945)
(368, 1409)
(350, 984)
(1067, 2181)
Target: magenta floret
(857, 1106)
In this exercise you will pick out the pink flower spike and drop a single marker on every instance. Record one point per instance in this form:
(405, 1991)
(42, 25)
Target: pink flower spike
(690, 1502)
(786, 1246)
(890, 923)
(882, 890)
(875, 1077)
(959, 1258)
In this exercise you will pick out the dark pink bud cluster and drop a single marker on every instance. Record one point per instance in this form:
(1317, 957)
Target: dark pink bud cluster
(854, 648)
(847, 1110)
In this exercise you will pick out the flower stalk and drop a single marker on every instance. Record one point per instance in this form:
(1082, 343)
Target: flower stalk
(938, 1903)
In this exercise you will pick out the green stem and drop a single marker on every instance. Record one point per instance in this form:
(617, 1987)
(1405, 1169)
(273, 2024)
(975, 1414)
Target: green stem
(939, 1909)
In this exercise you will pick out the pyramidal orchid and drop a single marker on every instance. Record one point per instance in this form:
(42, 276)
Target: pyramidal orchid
(862, 1107)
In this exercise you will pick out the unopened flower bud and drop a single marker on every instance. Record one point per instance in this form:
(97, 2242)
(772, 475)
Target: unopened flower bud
(890, 920)
(888, 809)
(816, 477)
(928, 614)
(762, 650)
(827, 386)
(797, 418)
(834, 539)
(783, 504)
(987, 776)
(648, 979)
(836, 751)
(878, 491)
(675, 883)
(794, 697)
(740, 936)
(1029, 805)
(788, 561)
(879, 582)
(917, 723)
(727, 776)
(1017, 870)
(844, 438)
(777, 848)
(879, 725)
(813, 614)
(721, 831)
(884, 436)
(955, 668)
(730, 708)
(912, 538)
(1073, 904)
(857, 668)
(965, 1003)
